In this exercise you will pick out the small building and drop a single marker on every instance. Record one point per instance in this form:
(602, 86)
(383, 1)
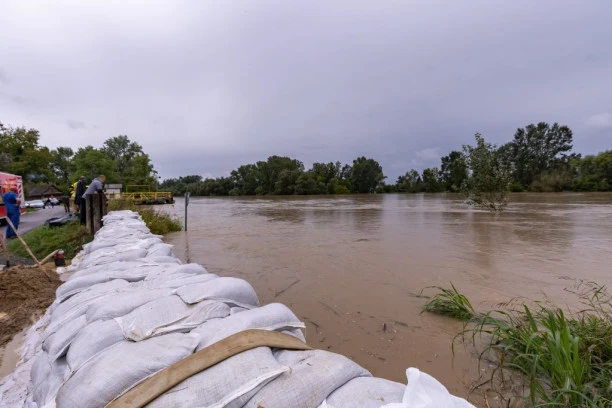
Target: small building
(114, 190)
(40, 191)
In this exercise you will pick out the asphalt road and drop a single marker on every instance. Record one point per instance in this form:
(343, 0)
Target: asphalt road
(34, 219)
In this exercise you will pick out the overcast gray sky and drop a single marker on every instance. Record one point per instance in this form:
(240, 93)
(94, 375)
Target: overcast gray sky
(205, 86)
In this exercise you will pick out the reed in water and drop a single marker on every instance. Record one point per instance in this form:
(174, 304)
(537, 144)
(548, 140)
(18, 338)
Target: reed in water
(566, 359)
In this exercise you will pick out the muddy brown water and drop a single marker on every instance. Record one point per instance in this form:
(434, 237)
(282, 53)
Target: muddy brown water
(350, 266)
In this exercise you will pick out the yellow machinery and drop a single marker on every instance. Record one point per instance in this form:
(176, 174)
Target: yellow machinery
(142, 194)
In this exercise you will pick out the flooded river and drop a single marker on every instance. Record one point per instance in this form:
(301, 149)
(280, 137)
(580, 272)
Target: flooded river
(351, 266)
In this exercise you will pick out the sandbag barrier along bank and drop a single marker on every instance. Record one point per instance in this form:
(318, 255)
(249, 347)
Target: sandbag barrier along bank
(131, 309)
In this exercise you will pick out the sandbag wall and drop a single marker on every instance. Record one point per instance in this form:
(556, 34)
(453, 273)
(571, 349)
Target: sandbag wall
(131, 308)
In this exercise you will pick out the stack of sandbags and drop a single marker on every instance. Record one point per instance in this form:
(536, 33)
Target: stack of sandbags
(131, 309)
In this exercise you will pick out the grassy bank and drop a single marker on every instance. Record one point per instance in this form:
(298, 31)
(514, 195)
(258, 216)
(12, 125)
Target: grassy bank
(44, 240)
(158, 222)
(565, 360)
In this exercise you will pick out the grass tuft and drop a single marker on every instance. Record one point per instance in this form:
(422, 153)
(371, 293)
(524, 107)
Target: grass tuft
(43, 240)
(565, 360)
(449, 302)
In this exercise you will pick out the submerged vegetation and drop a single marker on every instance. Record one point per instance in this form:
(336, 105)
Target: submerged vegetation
(449, 302)
(43, 240)
(566, 360)
(158, 222)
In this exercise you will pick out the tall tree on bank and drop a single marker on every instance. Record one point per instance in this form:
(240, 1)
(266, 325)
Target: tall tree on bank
(487, 185)
(21, 154)
(63, 165)
(539, 148)
(131, 164)
(453, 171)
(91, 162)
(431, 181)
(366, 175)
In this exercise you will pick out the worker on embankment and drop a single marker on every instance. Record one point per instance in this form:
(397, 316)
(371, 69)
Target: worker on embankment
(94, 188)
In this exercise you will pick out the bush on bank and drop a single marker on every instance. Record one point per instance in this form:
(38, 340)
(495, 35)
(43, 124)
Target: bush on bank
(566, 360)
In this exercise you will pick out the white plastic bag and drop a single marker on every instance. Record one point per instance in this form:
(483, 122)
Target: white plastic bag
(424, 391)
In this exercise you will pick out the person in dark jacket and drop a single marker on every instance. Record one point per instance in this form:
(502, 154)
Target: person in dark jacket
(80, 190)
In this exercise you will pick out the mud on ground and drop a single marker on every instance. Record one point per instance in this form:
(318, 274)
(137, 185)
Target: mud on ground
(25, 293)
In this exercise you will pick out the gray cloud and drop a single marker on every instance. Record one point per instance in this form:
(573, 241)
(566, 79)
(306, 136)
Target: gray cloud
(600, 121)
(3, 78)
(75, 124)
(207, 86)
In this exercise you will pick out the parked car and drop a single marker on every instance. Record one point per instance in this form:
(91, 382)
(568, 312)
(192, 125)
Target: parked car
(35, 204)
(55, 201)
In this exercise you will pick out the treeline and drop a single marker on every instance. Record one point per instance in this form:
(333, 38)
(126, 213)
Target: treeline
(119, 159)
(539, 158)
(285, 176)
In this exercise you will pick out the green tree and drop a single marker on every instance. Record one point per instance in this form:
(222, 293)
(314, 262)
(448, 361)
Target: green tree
(270, 171)
(22, 155)
(63, 165)
(91, 162)
(594, 173)
(487, 185)
(366, 175)
(245, 180)
(431, 180)
(538, 148)
(130, 162)
(410, 182)
(307, 184)
(453, 171)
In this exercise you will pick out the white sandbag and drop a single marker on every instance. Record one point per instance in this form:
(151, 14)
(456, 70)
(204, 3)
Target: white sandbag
(119, 368)
(177, 280)
(77, 305)
(101, 259)
(123, 303)
(313, 376)
(115, 266)
(160, 250)
(92, 340)
(228, 384)
(57, 343)
(274, 316)
(234, 291)
(168, 270)
(121, 215)
(366, 392)
(79, 284)
(164, 259)
(137, 272)
(166, 315)
(424, 391)
(125, 242)
(45, 388)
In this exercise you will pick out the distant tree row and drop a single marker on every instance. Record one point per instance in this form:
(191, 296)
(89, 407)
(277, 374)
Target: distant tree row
(285, 176)
(539, 159)
(119, 159)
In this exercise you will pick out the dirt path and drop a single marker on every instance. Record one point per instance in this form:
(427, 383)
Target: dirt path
(25, 293)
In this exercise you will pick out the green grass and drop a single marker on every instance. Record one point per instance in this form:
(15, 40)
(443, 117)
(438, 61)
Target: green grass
(565, 360)
(449, 302)
(44, 240)
(158, 222)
